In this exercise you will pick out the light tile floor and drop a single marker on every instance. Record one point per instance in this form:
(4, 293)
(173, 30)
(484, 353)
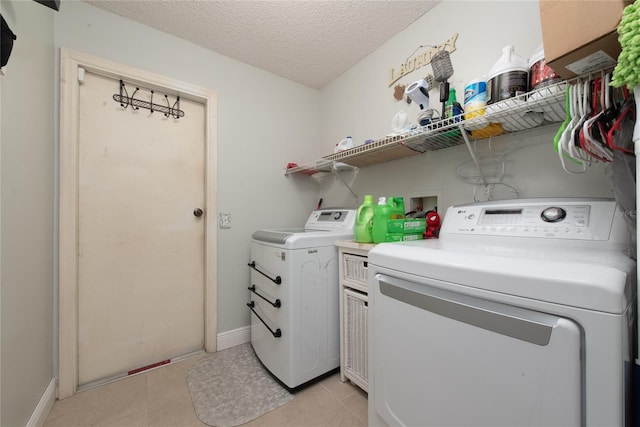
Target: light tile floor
(161, 398)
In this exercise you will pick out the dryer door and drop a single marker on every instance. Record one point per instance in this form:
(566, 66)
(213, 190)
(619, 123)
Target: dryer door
(444, 358)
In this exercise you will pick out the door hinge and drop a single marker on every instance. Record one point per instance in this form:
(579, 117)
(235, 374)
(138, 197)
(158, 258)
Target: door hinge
(81, 72)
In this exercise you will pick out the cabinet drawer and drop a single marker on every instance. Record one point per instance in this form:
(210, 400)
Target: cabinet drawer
(355, 269)
(356, 343)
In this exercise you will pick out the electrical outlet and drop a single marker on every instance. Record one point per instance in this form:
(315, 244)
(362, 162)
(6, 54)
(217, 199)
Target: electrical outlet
(225, 220)
(488, 191)
(483, 193)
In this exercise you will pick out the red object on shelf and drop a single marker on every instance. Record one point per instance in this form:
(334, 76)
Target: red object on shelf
(433, 225)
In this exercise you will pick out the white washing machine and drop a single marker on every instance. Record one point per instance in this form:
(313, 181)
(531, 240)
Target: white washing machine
(521, 314)
(294, 296)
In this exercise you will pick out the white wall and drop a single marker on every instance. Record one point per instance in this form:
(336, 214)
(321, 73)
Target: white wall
(27, 193)
(264, 122)
(360, 103)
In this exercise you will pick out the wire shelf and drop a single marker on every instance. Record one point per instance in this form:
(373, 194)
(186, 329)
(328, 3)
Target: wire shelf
(535, 109)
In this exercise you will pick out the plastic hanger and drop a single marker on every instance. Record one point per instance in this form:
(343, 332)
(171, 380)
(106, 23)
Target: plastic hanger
(564, 143)
(590, 140)
(620, 135)
(583, 111)
(567, 119)
(609, 112)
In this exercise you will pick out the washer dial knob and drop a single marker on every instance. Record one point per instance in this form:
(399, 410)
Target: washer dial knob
(553, 214)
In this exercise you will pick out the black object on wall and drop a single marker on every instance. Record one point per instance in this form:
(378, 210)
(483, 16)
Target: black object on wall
(53, 4)
(6, 42)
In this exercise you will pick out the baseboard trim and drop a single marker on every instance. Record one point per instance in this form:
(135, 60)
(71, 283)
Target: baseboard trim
(39, 415)
(234, 337)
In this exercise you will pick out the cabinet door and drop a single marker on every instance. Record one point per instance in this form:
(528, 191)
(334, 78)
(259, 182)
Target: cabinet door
(355, 337)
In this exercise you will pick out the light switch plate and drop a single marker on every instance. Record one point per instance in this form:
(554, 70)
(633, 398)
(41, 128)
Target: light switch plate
(225, 220)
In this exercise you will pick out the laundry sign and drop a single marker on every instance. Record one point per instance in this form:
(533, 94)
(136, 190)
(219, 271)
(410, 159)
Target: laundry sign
(421, 59)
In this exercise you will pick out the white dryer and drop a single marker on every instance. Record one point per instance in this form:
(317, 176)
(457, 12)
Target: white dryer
(294, 296)
(521, 314)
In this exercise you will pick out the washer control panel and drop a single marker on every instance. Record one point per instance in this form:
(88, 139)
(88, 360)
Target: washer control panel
(583, 219)
(331, 219)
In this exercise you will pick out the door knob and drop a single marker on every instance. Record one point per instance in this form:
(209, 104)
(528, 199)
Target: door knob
(198, 212)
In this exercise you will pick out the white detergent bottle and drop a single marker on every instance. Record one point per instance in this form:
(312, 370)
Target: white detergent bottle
(509, 76)
(343, 145)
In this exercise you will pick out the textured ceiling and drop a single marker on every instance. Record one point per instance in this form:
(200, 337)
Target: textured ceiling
(311, 42)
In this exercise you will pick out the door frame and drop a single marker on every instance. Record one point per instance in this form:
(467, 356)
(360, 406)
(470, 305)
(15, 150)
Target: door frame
(70, 61)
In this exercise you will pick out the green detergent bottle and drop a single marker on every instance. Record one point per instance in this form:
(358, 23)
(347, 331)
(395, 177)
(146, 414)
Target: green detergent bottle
(364, 215)
(397, 207)
(381, 215)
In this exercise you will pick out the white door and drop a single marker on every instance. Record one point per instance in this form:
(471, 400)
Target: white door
(141, 247)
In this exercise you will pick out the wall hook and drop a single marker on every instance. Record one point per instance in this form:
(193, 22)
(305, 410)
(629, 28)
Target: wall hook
(132, 96)
(176, 107)
(125, 100)
(166, 114)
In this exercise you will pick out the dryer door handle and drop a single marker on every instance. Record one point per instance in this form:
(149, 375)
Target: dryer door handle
(516, 322)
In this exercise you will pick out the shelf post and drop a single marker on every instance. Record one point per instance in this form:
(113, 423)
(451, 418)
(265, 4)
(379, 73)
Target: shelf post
(472, 153)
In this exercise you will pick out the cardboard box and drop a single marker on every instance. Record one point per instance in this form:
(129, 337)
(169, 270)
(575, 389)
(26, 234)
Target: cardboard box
(580, 37)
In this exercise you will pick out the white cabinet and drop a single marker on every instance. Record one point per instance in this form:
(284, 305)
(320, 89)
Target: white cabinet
(353, 311)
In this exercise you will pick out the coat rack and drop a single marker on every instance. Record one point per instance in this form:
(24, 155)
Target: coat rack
(168, 110)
